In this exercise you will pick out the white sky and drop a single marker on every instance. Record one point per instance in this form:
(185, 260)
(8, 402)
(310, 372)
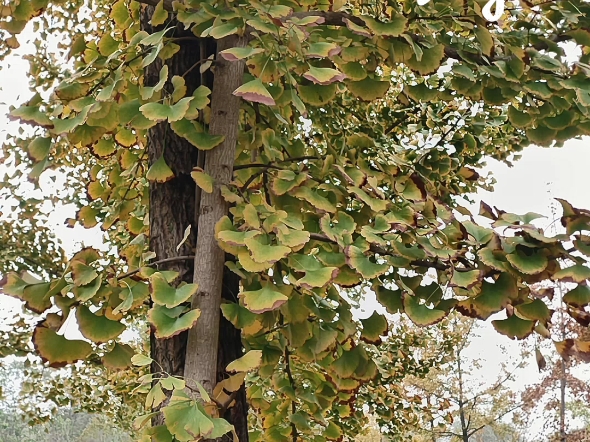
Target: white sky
(541, 174)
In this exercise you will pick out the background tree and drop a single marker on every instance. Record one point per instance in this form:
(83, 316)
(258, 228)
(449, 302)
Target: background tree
(337, 160)
(463, 407)
(561, 398)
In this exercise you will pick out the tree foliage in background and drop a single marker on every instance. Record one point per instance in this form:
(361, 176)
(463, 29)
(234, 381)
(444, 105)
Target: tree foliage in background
(561, 397)
(461, 405)
(331, 145)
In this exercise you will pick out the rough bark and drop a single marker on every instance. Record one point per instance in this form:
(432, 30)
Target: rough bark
(172, 204)
(229, 349)
(201, 360)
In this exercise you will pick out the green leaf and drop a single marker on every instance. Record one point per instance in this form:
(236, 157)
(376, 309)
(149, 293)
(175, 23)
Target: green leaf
(493, 298)
(193, 133)
(356, 259)
(466, 280)
(187, 420)
(159, 171)
(393, 28)
(390, 299)
(314, 198)
(519, 119)
(39, 148)
(514, 327)
(266, 299)
(57, 350)
(119, 357)
(536, 310)
(171, 322)
(541, 135)
(107, 45)
(234, 54)
(203, 180)
(164, 294)
(420, 314)
(31, 115)
(261, 251)
(82, 274)
(255, 91)
(346, 364)
(251, 360)
(317, 95)
(577, 273)
(324, 76)
(374, 327)
(159, 111)
(430, 61)
(97, 328)
(578, 297)
(140, 360)
(527, 261)
(160, 15)
(368, 89)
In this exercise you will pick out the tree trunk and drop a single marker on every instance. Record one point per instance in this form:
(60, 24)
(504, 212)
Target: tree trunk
(172, 204)
(464, 424)
(201, 362)
(172, 209)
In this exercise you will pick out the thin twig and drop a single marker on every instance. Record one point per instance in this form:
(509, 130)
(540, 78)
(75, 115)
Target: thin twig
(155, 263)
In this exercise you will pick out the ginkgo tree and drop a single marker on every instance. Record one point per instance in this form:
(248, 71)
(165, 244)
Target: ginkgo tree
(249, 160)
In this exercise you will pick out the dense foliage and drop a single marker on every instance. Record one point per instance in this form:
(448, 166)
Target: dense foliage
(359, 132)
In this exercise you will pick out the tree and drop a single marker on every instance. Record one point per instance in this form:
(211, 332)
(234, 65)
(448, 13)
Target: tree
(338, 159)
(561, 396)
(460, 407)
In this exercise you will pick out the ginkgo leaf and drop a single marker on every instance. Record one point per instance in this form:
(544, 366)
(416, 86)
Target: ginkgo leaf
(262, 251)
(577, 273)
(578, 297)
(97, 328)
(324, 76)
(357, 260)
(323, 49)
(535, 310)
(392, 28)
(57, 350)
(493, 298)
(164, 294)
(465, 279)
(160, 15)
(368, 89)
(39, 148)
(195, 135)
(421, 314)
(317, 95)
(82, 274)
(119, 357)
(170, 322)
(346, 364)
(159, 111)
(374, 327)
(140, 360)
(514, 327)
(234, 54)
(251, 360)
(528, 262)
(263, 300)
(255, 91)
(203, 180)
(430, 61)
(159, 171)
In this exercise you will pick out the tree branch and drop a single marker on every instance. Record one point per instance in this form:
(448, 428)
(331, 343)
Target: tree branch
(155, 263)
